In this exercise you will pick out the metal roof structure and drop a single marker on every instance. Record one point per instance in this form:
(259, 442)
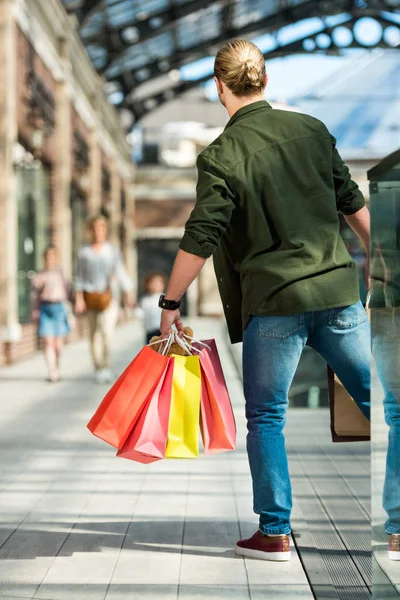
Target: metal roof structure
(134, 42)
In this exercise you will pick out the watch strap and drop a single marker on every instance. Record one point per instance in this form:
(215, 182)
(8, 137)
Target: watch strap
(168, 304)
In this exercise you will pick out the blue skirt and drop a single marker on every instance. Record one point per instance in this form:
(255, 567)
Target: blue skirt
(53, 320)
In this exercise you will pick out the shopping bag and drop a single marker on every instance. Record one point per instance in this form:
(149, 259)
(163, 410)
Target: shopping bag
(122, 405)
(183, 426)
(217, 421)
(348, 424)
(148, 439)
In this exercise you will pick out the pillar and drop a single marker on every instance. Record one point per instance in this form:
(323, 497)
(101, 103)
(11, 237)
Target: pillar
(115, 204)
(130, 250)
(10, 329)
(95, 191)
(62, 225)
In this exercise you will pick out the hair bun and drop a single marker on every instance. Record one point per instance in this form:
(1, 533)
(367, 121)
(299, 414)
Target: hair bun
(250, 69)
(249, 64)
(241, 66)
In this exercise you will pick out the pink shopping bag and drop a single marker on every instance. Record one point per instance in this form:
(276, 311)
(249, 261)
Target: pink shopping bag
(121, 407)
(217, 421)
(148, 439)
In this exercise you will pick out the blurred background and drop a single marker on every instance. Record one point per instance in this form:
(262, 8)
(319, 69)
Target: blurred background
(106, 104)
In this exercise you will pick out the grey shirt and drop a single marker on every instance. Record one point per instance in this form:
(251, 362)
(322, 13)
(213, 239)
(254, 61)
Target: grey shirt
(99, 270)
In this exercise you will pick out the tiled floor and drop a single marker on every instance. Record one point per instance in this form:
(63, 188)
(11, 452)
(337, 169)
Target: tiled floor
(79, 524)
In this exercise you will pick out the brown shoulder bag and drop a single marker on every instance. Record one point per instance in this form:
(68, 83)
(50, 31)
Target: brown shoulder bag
(97, 301)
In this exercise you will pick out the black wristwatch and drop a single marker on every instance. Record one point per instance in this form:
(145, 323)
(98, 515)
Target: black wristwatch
(168, 304)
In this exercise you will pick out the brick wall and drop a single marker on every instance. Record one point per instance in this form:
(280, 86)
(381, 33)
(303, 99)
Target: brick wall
(11, 352)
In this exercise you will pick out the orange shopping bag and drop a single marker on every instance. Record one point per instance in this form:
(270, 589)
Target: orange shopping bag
(217, 421)
(148, 439)
(121, 407)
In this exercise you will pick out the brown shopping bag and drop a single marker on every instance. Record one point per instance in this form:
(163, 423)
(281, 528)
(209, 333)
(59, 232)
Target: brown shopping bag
(348, 424)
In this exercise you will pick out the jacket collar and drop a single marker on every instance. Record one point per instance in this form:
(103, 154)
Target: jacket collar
(247, 109)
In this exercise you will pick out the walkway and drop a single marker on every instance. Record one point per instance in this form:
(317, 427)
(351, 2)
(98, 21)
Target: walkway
(80, 524)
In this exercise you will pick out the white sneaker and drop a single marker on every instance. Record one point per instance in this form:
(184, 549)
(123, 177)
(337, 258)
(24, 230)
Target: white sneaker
(99, 377)
(108, 376)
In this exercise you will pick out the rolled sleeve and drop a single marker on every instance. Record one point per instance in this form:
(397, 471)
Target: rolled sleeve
(349, 198)
(212, 213)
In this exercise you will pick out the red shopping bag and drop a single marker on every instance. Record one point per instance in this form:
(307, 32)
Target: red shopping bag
(148, 439)
(217, 421)
(121, 407)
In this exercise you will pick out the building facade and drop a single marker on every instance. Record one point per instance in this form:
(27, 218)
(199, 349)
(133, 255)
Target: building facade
(64, 156)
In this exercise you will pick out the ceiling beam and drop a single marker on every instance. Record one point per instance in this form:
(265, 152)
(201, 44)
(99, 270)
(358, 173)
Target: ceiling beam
(142, 107)
(311, 8)
(145, 27)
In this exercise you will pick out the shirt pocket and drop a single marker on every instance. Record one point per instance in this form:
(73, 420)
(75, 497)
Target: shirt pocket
(280, 328)
(347, 317)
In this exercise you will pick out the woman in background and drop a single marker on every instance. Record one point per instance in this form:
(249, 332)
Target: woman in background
(50, 291)
(101, 276)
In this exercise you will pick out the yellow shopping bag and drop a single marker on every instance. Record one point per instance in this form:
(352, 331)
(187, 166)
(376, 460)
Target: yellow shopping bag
(184, 417)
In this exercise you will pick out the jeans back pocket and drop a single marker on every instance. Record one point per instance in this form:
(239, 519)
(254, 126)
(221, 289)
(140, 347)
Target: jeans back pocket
(347, 317)
(280, 328)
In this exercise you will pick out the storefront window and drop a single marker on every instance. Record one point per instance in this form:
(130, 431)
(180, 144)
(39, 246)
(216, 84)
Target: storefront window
(33, 224)
(78, 217)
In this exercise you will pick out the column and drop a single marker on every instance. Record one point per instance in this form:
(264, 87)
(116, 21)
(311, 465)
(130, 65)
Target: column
(130, 251)
(94, 197)
(10, 329)
(95, 191)
(62, 225)
(115, 204)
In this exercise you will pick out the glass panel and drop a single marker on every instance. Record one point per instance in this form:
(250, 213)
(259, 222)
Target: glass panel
(138, 55)
(120, 14)
(94, 25)
(251, 11)
(33, 228)
(199, 26)
(78, 220)
(385, 371)
(98, 55)
(128, 11)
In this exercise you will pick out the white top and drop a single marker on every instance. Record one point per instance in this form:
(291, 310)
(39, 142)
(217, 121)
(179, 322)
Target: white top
(98, 270)
(151, 311)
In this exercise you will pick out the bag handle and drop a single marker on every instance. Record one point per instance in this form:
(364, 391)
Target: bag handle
(197, 342)
(168, 341)
(174, 338)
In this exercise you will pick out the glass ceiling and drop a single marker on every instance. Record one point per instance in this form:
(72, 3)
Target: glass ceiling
(132, 42)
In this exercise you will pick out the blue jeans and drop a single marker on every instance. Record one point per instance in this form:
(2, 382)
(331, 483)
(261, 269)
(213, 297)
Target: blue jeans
(386, 349)
(272, 347)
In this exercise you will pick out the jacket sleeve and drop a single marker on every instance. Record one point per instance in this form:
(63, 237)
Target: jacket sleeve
(212, 213)
(349, 199)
